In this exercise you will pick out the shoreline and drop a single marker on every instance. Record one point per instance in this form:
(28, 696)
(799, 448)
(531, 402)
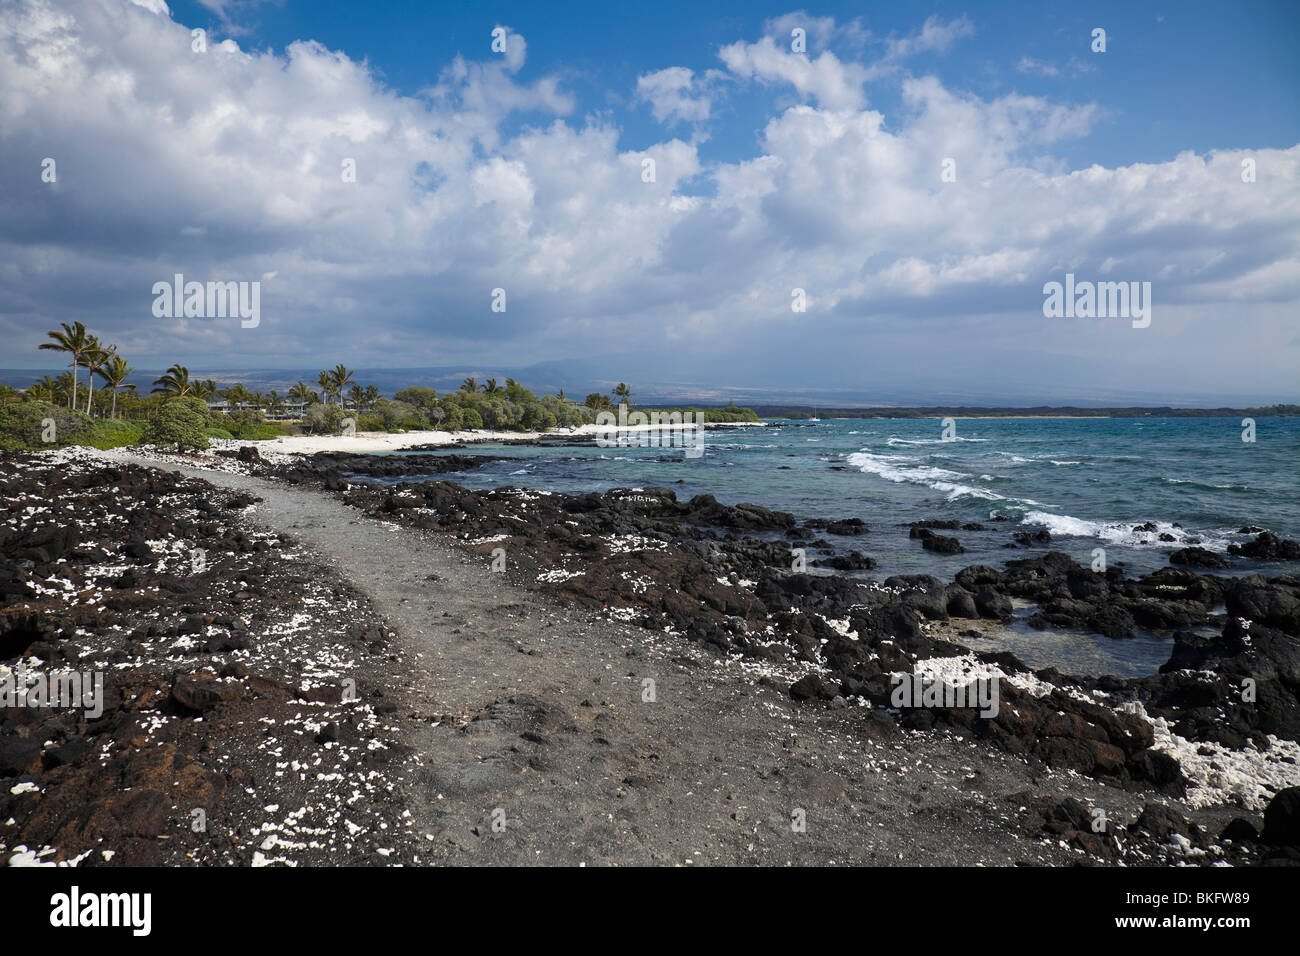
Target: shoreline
(629, 579)
(366, 442)
(498, 697)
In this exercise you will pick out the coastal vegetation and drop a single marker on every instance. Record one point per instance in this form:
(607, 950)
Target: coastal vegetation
(182, 423)
(730, 413)
(508, 407)
(184, 412)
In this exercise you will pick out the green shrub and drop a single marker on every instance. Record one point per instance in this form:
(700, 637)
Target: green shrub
(248, 424)
(500, 414)
(245, 424)
(418, 396)
(470, 418)
(537, 418)
(398, 415)
(181, 424)
(731, 412)
(265, 431)
(567, 414)
(324, 418)
(197, 405)
(23, 426)
(452, 419)
(112, 433)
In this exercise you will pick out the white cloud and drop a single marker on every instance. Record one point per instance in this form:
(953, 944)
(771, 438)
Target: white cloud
(935, 36)
(1028, 64)
(820, 32)
(227, 165)
(832, 83)
(675, 95)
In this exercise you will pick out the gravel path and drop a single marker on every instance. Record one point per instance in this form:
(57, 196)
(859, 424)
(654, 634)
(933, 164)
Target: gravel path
(545, 749)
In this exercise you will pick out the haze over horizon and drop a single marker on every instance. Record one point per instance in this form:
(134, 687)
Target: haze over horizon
(774, 171)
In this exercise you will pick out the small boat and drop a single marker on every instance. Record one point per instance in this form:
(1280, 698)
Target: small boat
(814, 415)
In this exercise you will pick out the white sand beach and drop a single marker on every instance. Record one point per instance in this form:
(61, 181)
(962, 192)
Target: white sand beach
(385, 441)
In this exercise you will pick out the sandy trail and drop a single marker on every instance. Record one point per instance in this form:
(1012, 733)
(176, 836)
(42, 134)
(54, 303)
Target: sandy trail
(582, 769)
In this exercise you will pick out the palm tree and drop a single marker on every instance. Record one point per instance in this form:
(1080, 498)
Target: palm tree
(358, 396)
(342, 378)
(175, 381)
(561, 396)
(94, 359)
(372, 395)
(469, 385)
(326, 382)
(206, 389)
(115, 372)
(45, 390)
(64, 383)
(491, 387)
(237, 395)
(301, 392)
(74, 341)
(623, 393)
(274, 401)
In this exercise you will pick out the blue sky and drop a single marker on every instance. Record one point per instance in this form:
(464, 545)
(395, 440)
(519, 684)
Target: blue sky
(1178, 75)
(776, 171)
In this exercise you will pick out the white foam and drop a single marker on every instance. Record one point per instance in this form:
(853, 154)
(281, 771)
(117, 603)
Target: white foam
(940, 479)
(1122, 533)
(930, 441)
(1029, 460)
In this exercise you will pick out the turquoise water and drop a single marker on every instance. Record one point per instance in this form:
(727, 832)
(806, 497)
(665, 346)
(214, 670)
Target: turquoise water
(1087, 481)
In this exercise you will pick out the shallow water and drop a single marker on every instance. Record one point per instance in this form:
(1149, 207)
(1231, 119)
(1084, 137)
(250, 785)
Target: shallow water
(1087, 481)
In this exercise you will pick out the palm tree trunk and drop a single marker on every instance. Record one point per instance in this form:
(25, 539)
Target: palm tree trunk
(113, 413)
(72, 402)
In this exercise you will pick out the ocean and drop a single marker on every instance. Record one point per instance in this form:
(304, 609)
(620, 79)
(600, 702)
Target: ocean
(1088, 481)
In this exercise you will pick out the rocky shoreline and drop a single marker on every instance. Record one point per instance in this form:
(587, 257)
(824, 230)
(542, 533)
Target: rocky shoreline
(1219, 722)
(241, 680)
(263, 642)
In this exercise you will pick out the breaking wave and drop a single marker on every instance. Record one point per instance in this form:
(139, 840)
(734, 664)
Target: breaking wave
(1126, 533)
(892, 468)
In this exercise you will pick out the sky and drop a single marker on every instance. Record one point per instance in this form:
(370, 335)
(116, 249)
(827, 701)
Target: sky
(912, 176)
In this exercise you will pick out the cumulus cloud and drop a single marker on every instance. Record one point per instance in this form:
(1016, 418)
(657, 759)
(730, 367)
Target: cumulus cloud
(227, 166)
(820, 32)
(675, 94)
(825, 78)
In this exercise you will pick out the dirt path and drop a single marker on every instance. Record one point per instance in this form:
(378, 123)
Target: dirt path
(543, 725)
